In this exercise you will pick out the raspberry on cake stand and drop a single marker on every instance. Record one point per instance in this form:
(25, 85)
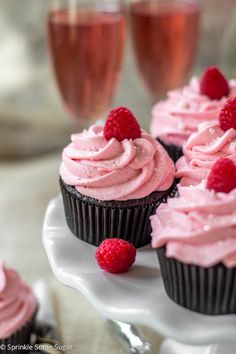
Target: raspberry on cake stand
(137, 296)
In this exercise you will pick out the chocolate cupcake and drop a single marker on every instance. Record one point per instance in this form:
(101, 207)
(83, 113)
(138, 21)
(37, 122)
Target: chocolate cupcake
(112, 179)
(194, 236)
(177, 117)
(17, 310)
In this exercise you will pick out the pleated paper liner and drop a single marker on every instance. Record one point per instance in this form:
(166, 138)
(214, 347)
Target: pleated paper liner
(174, 151)
(18, 339)
(93, 221)
(210, 291)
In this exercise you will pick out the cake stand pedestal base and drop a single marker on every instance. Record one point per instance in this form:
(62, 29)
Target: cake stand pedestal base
(137, 296)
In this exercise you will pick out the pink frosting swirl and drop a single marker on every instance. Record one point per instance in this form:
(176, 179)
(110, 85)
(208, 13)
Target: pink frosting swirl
(174, 119)
(202, 150)
(17, 302)
(198, 227)
(113, 170)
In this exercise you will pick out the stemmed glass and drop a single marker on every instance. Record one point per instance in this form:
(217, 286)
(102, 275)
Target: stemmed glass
(165, 36)
(86, 40)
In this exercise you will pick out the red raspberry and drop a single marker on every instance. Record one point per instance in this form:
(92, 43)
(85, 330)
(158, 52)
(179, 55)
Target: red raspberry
(115, 255)
(222, 177)
(214, 84)
(227, 118)
(121, 124)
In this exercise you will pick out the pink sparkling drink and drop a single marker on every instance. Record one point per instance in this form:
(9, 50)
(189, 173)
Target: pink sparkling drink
(87, 50)
(165, 37)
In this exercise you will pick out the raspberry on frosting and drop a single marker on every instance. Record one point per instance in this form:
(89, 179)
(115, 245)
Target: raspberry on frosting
(177, 117)
(214, 84)
(121, 124)
(222, 177)
(115, 255)
(227, 118)
(113, 170)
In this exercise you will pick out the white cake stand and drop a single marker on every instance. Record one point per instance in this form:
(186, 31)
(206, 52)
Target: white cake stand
(137, 296)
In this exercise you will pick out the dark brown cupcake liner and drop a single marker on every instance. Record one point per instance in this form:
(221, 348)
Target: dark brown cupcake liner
(210, 291)
(19, 338)
(174, 151)
(93, 221)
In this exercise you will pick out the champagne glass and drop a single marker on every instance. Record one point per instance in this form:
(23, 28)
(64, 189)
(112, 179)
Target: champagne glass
(165, 36)
(86, 40)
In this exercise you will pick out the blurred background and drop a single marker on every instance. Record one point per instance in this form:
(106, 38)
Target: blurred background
(34, 127)
(32, 116)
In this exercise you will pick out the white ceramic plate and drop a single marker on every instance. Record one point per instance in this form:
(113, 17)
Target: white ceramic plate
(137, 296)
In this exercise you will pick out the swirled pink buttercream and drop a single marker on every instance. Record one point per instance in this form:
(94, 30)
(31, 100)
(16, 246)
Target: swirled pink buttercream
(17, 302)
(201, 151)
(174, 119)
(113, 170)
(198, 227)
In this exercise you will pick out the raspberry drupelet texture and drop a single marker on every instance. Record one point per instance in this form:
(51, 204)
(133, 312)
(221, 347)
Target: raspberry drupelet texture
(222, 177)
(115, 255)
(214, 84)
(227, 118)
(121, 124)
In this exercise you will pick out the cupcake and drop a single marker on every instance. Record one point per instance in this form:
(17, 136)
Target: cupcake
(112, 178)
(176, 118)
(17, 310)
(211, 141)
(195, 239)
